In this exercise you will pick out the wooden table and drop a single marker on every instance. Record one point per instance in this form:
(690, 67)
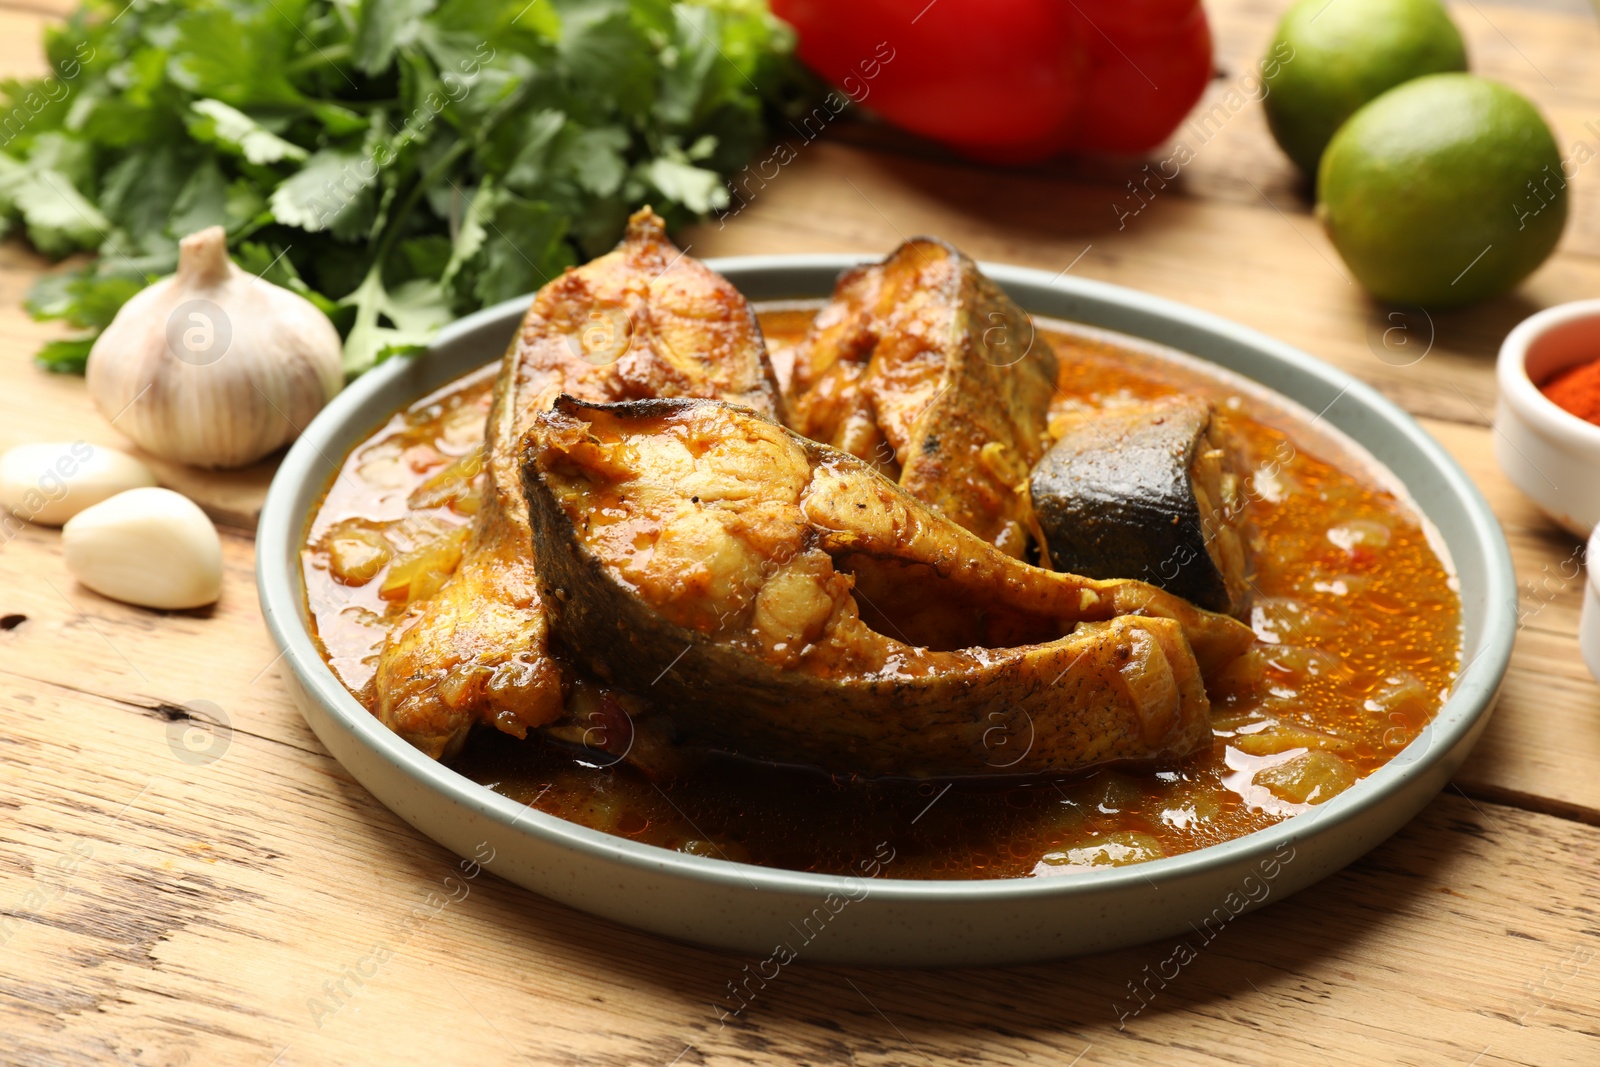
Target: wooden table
(157, 909)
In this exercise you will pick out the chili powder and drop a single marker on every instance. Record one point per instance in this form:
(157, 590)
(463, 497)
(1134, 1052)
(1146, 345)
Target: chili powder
(1577, 389)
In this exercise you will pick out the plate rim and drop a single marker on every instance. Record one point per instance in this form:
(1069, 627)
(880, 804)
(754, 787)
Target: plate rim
(281, 595)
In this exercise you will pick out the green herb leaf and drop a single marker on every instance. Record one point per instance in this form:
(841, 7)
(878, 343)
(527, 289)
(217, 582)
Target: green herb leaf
(202, 202)
(609, 57)
(138, 194)
(474, 231)
(68, 356)
(338, 121)
(595, 158)
(274, 265)
(391, 324)
(231, 128)
(333, 192)
(383, 26)
(59, 218)
(696, 188)
(88, 298)
(539, 132)
(236, 54)
(512, 266)
(394, 161)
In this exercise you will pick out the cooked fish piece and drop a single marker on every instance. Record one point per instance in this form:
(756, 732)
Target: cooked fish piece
(711, 560)
(1148, 491)
(922, 367)
(641, 321)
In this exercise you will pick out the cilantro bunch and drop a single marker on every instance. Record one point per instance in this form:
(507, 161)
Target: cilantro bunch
(397, 162)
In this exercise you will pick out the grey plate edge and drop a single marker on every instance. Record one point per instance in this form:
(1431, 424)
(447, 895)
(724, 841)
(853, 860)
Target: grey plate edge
(1470, 702)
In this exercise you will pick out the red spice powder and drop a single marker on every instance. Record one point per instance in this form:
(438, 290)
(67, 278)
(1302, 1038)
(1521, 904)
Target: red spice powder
(1577, 390)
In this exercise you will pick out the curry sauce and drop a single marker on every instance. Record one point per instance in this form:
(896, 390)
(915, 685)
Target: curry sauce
(1356, 618)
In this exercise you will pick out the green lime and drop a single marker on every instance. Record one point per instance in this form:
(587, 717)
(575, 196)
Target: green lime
(1332, 56)
(1445, 190)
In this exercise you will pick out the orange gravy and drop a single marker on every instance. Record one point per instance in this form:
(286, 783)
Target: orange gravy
(1358, 643)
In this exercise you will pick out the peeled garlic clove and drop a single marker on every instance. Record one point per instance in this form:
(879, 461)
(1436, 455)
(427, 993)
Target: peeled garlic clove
(214, 367)
(150, 547)
(48, 483)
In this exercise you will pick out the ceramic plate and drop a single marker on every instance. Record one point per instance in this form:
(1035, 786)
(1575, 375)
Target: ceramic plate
(886, 920)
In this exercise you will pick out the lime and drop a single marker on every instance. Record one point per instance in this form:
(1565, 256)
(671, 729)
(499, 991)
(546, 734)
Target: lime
(1445, 190)
(1331, 56)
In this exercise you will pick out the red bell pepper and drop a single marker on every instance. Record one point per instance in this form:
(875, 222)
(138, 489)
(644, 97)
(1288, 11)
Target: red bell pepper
(1014, 80)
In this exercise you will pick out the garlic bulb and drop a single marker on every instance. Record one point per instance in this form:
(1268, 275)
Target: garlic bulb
(50, 483)
(213, 366)
(150, 547)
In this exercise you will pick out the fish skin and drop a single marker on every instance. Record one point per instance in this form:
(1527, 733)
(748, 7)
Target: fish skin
(1114, 499)
(643, 320)
(660, 556)
(924, 368)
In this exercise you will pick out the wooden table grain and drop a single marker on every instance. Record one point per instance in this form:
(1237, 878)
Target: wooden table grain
(246, 903)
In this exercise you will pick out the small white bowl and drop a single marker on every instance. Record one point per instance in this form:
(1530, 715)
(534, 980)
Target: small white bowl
(1549, 453)
(1589, 621)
